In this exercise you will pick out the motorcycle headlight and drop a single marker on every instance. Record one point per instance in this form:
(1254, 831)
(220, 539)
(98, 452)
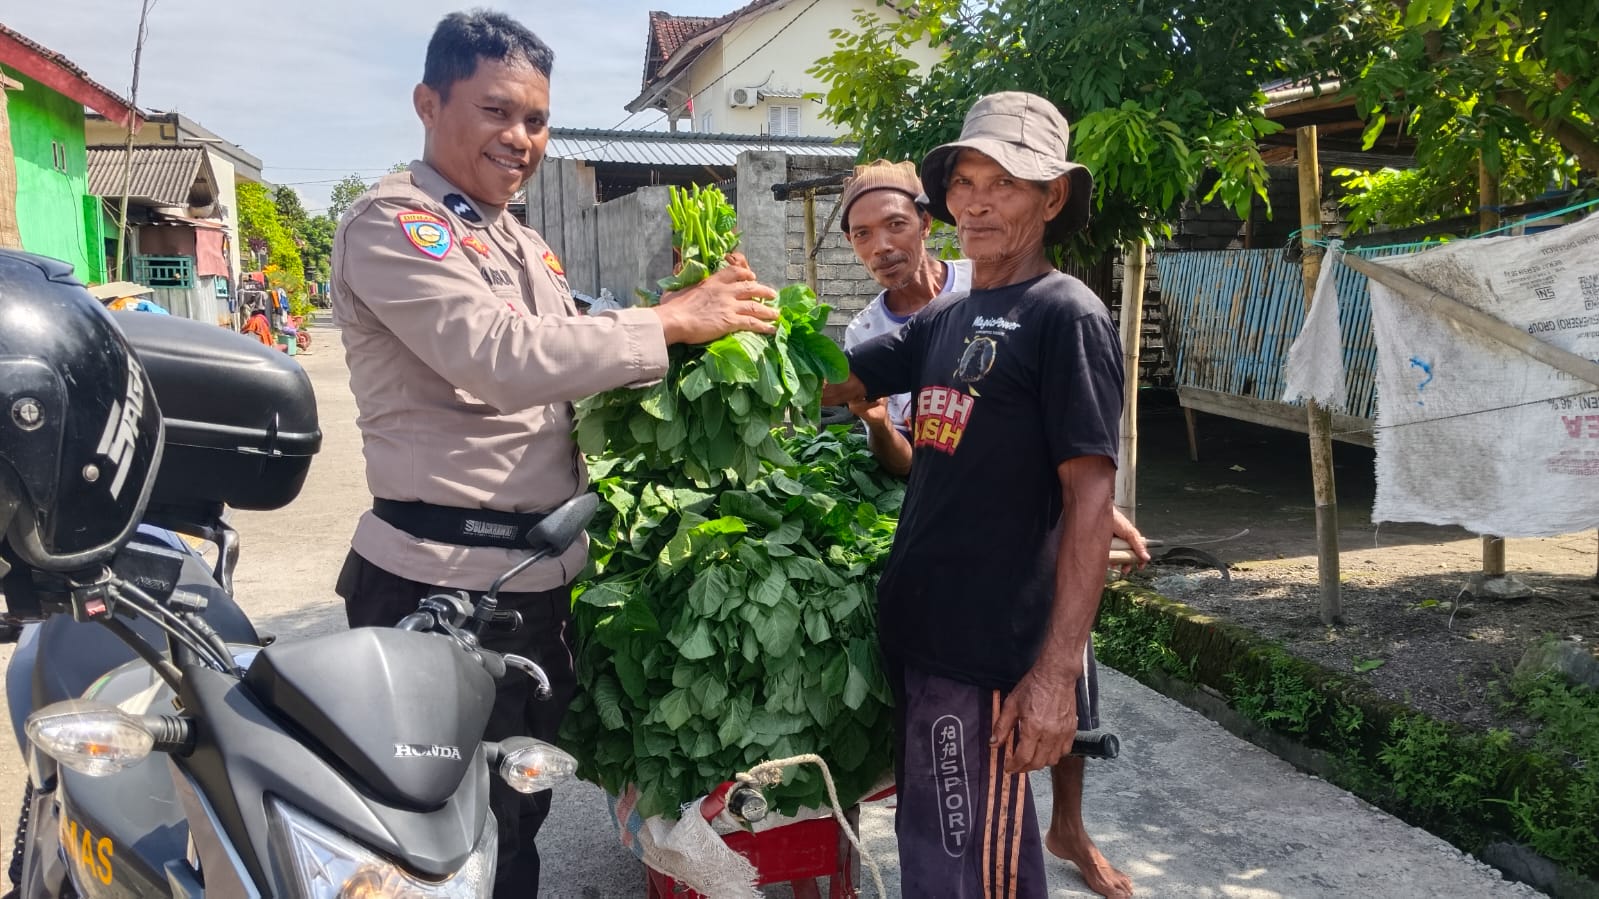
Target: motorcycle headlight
(329, 865)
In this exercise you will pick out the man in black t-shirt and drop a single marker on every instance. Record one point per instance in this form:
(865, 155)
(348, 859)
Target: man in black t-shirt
(991, 589)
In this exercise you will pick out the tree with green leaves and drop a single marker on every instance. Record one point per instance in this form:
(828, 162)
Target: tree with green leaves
(344, 194)
(1156, 93)
(291, 212)
(261, 228)
(1510, 84)
(317, 235)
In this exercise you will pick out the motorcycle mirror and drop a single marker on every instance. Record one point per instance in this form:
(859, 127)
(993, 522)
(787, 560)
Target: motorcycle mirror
(90, 737)
(560, 529)
(530, 765)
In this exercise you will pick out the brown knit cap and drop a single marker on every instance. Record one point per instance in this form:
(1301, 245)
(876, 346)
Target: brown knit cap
(881, 175)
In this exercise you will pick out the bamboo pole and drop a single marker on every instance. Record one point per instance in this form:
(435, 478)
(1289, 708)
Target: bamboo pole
(127, 160)
(1320, 420)
(1134, 266)
(810, 239)
(1493, 548)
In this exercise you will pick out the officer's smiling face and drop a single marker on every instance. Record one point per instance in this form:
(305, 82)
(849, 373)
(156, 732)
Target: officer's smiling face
(488, 135)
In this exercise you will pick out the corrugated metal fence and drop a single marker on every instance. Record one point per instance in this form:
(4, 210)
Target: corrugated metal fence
(1232, 314)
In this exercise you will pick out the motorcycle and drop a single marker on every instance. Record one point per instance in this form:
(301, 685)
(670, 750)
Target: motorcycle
(173, 752)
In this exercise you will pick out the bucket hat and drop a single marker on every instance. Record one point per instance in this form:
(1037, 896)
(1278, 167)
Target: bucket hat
(1028, 137)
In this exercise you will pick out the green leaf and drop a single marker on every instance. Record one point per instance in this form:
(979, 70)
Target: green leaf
(658, 402)
(670, 434)
(733, 362)
(787, 533)
(829, 361)
(767, 387)
(822, 705)
(734, 727)
(746, 505)
(754, 431)
(692, 273)
(630, 674)
(591, 437)
(608, 702)
(699, 644)
(696, 383)
(836, 674)
(787, 484)
(770, 590)
(603, 595)
(1364, 665)
(674, 708)
(712, 692)
(713, 412)
(708, 592)
(855, 687)
(777, 628)
(816, 626)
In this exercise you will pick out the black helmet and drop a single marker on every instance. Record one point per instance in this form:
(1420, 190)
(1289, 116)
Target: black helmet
(80, 433)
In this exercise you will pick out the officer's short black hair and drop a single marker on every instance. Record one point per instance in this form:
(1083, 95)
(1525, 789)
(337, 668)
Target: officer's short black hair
(463, 38)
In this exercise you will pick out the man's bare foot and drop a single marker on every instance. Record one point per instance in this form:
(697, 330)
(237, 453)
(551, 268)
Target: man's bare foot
(1098, 873)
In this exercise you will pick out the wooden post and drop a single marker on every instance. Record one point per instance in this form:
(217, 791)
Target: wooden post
(810, 239)
(1134, 264)
(10, 231)
(1320, 420)
(1493, 548)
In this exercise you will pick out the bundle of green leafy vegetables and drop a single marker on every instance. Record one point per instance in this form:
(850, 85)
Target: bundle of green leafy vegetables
(719, 630)
(727, 616)
(713, 413)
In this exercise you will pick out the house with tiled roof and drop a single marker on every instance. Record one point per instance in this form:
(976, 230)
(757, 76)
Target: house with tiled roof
(46, 205)
(746, 72)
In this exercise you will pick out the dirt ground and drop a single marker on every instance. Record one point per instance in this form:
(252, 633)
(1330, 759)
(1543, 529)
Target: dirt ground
(1249, 502)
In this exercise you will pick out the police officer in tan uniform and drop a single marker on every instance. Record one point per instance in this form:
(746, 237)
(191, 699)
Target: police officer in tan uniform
(466, 352)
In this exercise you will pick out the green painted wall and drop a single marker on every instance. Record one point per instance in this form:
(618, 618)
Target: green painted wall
(51, 205)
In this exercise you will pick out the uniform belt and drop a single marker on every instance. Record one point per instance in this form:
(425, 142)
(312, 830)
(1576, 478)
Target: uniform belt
(459, 527)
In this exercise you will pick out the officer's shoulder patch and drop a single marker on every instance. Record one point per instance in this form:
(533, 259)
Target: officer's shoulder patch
(476, 243)
(427, 232)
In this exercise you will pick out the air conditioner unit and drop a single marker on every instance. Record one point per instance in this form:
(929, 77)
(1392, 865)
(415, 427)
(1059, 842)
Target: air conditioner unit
(742, 97)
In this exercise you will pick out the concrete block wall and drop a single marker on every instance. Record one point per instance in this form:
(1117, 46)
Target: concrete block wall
(841, 281)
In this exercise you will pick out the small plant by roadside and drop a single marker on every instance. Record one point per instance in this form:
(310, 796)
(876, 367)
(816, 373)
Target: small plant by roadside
(1283, 700)
(1560, 816)
(1472, 787)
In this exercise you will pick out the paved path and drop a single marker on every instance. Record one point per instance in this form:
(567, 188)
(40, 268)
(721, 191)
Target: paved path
(1187, 811)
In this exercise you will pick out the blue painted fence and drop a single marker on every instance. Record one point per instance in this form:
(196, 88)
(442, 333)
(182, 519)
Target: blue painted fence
(1232, 314)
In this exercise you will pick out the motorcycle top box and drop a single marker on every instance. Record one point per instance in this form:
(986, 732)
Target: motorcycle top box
(241, 420)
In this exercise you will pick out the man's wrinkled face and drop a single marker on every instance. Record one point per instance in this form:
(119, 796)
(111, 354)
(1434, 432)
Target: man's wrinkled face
(889, 235)
(997, 215)
(489, 136)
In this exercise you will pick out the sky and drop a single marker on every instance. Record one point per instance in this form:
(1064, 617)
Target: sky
(321, 88)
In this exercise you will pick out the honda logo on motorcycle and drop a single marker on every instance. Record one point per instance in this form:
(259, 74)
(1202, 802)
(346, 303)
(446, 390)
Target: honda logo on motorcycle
(426, 751)
(122, 427)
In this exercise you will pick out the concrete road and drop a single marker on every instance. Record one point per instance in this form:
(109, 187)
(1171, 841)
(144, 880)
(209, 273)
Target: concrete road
(1187, 811)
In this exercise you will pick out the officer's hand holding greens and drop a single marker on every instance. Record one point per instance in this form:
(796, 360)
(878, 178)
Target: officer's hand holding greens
(727, 616)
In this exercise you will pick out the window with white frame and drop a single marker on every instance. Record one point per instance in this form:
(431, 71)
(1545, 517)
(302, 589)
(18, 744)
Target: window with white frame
(783, 121)
(706, 122)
